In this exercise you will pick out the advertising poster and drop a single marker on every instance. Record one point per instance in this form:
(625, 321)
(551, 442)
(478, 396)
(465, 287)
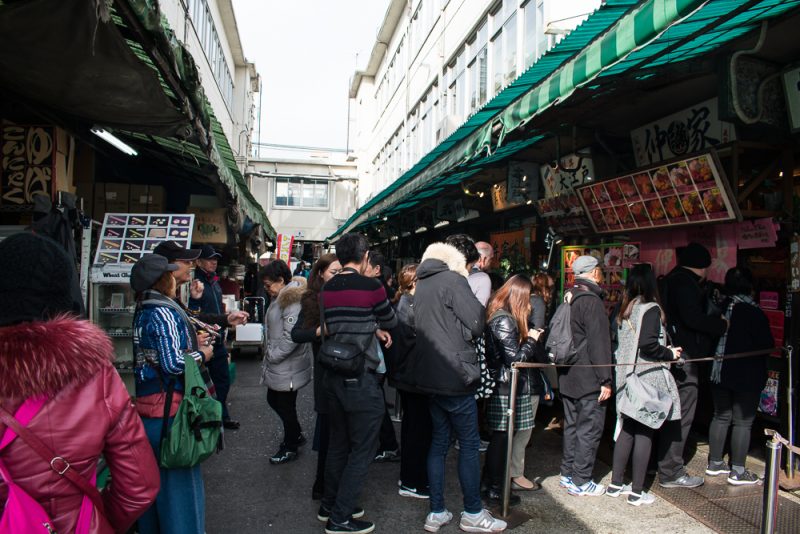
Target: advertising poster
(616, 258)
(689, 191)
(284, 247)
(126, 237)
(210, 225)
(564, 214)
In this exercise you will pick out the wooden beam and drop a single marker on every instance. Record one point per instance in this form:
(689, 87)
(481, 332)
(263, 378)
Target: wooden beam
(757, 182)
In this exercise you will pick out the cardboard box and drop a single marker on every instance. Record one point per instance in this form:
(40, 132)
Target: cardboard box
(147, 199)
(110, 198)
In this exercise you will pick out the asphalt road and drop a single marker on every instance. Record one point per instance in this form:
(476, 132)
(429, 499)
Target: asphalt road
(245, 494)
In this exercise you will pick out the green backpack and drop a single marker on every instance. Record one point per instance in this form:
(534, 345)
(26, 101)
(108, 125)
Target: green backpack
(196, 431)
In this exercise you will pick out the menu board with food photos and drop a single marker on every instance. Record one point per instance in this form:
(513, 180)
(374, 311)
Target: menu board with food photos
(615, 259)
(686, 191)
(125, 237)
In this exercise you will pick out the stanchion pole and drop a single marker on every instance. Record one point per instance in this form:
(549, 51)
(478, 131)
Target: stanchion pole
(769, 509)
(790, 412)
(512, 406)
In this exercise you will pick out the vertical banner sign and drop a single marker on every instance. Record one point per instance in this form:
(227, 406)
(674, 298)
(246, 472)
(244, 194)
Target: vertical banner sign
(27, 164)
(284, 247)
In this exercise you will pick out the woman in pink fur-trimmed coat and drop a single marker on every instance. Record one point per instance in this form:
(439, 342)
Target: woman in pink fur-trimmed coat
(45, 350)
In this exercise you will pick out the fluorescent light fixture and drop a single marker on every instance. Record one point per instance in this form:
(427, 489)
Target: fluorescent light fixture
(115, 141)
(441, 223)
(421, 229)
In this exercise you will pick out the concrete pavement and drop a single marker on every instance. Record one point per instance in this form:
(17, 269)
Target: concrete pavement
(245, 494)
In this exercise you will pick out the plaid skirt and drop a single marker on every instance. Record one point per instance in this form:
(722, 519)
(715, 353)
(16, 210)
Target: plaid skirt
(497, 407)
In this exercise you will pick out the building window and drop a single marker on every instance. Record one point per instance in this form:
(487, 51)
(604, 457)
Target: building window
(301, 193)
(510, 49)
(532, 28)
(477, 69)
(212, 47)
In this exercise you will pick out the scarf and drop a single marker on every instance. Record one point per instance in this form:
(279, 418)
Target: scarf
(716, 369)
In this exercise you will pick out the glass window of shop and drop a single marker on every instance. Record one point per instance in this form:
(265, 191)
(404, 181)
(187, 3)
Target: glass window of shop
(477, 68)
(301, 193)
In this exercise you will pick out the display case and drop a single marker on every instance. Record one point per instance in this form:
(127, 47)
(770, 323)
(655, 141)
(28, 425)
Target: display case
(112, 307)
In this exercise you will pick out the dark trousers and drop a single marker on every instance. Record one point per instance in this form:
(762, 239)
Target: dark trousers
(355, 410)
(321, 440)
(736, 408)
(637, 438)
(285, 405)
(220, 372)
(416, 432)
(387, 440)
(584, 419)
(496, 459)
(673, 434)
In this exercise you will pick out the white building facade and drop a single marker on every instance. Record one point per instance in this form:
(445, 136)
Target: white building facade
(307, 194)
(435, 63)
(208, 30)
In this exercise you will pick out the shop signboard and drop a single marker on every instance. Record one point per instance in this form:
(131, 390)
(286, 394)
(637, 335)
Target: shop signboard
(761, 233)
(564, 214)
(572, 170)
(616, 259)
(27, 163)
(794, 251)
(694, 129)
(500, 200)
(210, 225)
(283, 247)
(687, 191)
(126, 237)
(512, 246)
(523, 182)
(791, 86)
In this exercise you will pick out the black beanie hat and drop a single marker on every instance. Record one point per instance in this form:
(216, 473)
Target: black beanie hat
(36, 277)
(693, 255)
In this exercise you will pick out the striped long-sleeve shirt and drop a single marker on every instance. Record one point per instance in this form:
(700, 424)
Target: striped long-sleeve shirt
(355, 307)
(162, 334)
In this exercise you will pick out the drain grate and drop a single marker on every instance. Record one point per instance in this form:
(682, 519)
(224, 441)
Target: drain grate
(726, 508)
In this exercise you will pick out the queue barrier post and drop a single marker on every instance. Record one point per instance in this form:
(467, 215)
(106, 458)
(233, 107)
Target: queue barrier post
(512, 407)
(769, 505)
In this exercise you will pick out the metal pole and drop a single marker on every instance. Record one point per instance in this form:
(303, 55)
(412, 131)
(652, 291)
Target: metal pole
(512, 406)
(769, 510)
(790, 399)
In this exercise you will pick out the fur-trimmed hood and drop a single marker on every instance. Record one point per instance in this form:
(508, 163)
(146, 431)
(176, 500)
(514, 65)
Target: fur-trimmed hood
(293, 292)
(43, 357)
(448, 255)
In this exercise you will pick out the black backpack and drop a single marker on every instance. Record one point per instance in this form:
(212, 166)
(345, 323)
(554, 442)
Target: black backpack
(560, 347)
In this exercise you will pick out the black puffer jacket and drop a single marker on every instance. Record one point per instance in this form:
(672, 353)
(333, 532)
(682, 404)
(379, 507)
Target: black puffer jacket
(400, 357)
(503, 348)
(448, 317)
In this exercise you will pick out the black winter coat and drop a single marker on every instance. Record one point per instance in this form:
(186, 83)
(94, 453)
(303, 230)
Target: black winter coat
(400, 357)
(687, 322)
(749, 331)
(448, 317)
(504, 348)
(591, 335)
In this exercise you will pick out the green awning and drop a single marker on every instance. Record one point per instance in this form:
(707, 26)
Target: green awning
(615, 40)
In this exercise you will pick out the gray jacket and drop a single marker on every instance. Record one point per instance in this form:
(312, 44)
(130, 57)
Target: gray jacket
(286, 365)
(656, 375)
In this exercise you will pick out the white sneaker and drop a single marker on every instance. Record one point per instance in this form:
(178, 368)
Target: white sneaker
(435, 521)
(589, 489)
(481, 522)
(616, 491)
(640, 499)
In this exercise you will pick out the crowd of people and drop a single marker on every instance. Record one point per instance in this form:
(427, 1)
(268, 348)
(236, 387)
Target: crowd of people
(445, 335)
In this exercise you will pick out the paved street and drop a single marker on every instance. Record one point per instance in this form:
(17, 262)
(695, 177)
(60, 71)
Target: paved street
(247, 494)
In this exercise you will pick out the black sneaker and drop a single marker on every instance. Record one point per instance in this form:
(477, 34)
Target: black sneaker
(353, 526)
(388, 456)
(301, 440)
(324, 513)
(745, 478)
(283, 456)
(717, 468)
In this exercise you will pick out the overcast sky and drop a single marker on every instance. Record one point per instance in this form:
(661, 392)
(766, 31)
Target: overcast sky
(305, 52)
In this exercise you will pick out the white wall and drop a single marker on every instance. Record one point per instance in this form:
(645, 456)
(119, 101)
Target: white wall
(306, 224)
(378, 118)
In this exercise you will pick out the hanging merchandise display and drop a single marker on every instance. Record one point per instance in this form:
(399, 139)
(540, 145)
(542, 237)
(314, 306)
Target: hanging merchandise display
(682, 192)
(615, 258)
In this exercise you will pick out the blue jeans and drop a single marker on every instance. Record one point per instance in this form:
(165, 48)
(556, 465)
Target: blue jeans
(180, 505)
(459, 415)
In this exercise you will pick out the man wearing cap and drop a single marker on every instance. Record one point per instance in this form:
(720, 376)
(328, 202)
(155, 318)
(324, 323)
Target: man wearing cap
(692, 328)
(585, 390)
(210, 301)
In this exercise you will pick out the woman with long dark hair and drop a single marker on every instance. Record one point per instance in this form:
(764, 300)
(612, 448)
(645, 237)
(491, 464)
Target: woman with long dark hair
(737, 383)
(640, 327)
(509, 340)
(307, 330)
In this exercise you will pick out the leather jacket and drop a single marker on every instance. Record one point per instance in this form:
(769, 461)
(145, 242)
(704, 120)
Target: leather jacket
(504, 348)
